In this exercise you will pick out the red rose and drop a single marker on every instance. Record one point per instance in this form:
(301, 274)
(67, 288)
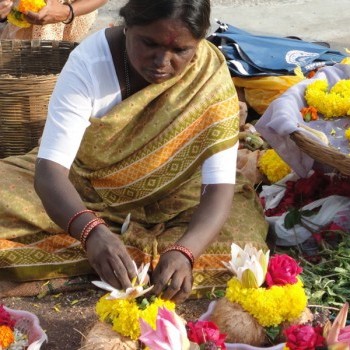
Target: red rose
(282, 270)
(303, 337)
(201, 332)
(5, 318)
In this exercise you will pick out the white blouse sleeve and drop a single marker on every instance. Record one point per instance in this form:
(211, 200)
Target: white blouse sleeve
(220, 167)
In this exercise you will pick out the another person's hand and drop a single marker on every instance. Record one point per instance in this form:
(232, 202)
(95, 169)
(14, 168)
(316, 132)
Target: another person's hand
(53, 12)
(109, 258)
(5, 8)
(172, 277)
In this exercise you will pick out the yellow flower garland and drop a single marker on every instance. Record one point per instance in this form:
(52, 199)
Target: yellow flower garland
(331, 103)
(270, 306)
(6, 337)
(273, 166)
(124, 314)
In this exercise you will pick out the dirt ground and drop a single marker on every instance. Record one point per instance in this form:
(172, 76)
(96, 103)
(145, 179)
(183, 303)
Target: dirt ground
(67, 317)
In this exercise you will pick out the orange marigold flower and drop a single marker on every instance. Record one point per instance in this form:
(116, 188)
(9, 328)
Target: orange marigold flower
(7, 336)
(309, 113)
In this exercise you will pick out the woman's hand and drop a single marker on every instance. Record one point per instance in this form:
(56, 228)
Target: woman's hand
(109, 258)
(53, 12)
(5, 8)
(172, 277)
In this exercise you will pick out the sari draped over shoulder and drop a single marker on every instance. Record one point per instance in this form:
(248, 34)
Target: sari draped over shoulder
(143, 158)
(152, 142)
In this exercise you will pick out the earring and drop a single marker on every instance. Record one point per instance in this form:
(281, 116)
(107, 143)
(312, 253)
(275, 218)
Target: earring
(124, 30)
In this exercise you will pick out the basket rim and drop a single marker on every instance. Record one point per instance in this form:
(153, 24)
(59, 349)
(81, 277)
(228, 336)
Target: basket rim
(322, 153)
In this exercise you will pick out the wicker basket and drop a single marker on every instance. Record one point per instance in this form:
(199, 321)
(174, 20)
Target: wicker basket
(28, 73)
(322, 154)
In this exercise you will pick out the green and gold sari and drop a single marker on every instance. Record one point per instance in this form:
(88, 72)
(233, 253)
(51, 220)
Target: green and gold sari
(142, 158)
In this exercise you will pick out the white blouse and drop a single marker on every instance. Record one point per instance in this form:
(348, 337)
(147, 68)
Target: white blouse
(88, 87)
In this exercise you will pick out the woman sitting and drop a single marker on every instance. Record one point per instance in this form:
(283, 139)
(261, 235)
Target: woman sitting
(143, 121)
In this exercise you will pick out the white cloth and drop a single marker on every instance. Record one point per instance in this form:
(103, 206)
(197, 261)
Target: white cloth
(283, 117)
(88, 87)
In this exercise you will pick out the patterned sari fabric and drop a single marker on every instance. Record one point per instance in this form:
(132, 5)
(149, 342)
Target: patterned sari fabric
(147, 156)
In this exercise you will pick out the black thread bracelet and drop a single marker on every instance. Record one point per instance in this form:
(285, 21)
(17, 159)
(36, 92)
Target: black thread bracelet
(71, 14)
(3, 20)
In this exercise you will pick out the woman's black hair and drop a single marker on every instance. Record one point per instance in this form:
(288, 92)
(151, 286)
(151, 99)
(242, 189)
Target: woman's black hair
(194, 13)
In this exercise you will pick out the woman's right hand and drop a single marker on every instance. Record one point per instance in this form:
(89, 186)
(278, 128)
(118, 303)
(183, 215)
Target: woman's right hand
(108, 256)
(5, 8)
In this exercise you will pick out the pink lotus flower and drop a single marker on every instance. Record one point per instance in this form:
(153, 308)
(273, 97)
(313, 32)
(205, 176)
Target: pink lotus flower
(282, 270)
(337, 334)
(170, 332)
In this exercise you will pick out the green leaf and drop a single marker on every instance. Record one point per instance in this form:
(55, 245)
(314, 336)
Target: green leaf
(292, 218)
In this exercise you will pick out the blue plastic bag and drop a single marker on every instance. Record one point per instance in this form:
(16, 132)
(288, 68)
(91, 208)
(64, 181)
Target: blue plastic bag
(251, 55)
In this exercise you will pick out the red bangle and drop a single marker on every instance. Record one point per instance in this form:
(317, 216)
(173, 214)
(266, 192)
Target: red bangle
(88, 229)
(76, 215)
(185, 251)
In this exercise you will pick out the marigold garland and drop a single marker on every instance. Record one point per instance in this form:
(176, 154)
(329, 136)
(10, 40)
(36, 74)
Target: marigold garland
(331, 103)
(124, 314)
(273, 166)
(270, 306)
(7, 337)
(347, 134)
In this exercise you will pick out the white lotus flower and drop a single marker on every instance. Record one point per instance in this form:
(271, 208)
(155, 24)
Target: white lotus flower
(248, 265)
(133, 292)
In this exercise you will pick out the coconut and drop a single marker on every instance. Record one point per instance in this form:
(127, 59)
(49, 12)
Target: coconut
(103, 337)
(239, 325)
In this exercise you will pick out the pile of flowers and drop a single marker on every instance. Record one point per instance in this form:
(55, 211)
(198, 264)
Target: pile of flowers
(11, 338)
(17, 14)
(334, 102)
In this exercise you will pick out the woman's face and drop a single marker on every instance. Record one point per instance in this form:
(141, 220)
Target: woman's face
(160, 50)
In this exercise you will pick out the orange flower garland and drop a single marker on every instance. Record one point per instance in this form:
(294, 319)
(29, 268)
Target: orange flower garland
(7, 337)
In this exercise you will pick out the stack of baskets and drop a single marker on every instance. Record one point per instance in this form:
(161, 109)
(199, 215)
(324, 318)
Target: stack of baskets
(28, 73)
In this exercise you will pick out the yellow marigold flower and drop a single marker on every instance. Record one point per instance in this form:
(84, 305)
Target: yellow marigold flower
(6, 337)
(331, 103)
(31, 5)
(273, 166)
(347, 133)
(16, 16)
(124, 314)
(270, 306)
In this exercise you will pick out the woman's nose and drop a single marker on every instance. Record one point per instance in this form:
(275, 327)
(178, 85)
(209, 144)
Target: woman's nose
(161, 59)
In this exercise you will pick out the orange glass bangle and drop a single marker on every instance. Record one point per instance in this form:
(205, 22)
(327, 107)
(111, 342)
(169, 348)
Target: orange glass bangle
(75, 216)
(185, 251)
(88, 229)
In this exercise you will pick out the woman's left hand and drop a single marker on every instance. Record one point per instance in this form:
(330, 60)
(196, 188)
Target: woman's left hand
(172, 278)
(53, 12)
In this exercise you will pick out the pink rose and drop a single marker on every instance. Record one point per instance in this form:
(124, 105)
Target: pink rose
(303, 337)
(201, 332)
(282, 270)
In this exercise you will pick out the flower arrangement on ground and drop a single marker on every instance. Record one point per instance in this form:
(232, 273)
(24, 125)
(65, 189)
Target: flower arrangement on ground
(123, 309)
(17, 14)
(11, 338)
(265, 293)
